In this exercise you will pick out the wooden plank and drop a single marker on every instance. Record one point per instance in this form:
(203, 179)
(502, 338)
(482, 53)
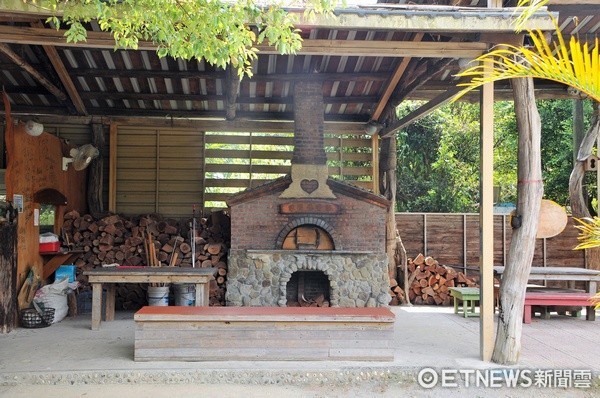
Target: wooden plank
(245, 168)
(247, 140)
(259, 331)
(346, 141)
(112, 169)
(349, 157)
(246, 154)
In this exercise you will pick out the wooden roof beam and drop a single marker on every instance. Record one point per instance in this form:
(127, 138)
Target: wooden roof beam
(433, 69)
(63, 75)
(393, 82)
(6, 50)
(420, 112)
(364, 48)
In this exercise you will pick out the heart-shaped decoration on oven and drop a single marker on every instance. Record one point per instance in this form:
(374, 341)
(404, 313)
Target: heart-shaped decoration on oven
(309, 186)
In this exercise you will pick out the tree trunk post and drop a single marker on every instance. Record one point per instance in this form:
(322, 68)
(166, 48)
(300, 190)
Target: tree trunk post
(577, 196)
(388, 189)
(530, 190)
(95, 173)
(8, 277)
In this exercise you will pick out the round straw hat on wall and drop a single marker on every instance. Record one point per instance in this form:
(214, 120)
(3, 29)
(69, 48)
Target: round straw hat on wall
(553, 219)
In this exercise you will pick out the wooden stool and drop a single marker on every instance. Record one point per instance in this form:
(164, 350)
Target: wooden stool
(468, 295)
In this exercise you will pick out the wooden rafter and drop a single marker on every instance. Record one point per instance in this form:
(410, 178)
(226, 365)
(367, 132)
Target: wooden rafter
(105, 95)
(6, 50)
(103, 40)
(63, 75)
(195, 74)
(420, 112)
(393, 82)
(434, 68)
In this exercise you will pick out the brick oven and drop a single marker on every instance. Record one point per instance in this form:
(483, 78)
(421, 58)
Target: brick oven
(305, 238)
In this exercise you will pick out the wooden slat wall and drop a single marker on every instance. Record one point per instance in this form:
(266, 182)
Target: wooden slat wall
(453, 239)
(159, 171)
(236, 161)
(78, 135)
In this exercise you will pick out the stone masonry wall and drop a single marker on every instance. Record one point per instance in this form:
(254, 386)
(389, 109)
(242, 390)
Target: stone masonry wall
(259, 278)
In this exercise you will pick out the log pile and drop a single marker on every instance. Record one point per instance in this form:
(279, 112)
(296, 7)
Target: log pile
(429, 282)
(318, 301)
(149, 240)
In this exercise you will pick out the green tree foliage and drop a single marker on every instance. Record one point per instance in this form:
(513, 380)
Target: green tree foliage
(557, 148)
(218, 31)
(438, 156)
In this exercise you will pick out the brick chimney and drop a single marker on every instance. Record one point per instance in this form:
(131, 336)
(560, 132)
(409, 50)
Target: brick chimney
(308, 123)
(309, 161)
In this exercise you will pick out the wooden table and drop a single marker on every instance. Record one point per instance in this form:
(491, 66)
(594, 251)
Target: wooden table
(571, 274)
(109, 276)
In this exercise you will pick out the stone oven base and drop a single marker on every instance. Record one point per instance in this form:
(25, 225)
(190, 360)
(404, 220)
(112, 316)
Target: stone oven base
(260, 277)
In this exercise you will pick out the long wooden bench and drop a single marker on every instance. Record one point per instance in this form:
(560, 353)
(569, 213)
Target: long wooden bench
(263, 333)
(547, 297)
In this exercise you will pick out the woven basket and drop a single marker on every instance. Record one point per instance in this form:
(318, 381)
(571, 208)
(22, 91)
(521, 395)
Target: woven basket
(30, 318)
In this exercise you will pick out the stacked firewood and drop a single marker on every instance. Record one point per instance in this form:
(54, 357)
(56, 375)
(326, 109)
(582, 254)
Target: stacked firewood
(397, 293)
(150, 240)
(318, 301)
(429, 282)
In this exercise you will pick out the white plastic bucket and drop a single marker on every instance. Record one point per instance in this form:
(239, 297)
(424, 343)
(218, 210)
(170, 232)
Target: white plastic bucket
(185, 294)
(158, 295)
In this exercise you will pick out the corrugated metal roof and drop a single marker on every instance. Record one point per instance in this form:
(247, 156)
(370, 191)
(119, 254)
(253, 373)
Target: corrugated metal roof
(139, 83)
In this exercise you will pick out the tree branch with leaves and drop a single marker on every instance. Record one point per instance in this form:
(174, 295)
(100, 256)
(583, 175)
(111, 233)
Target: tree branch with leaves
(218, 31)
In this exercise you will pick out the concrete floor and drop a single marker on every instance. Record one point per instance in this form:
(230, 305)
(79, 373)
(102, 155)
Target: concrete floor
(68, 356)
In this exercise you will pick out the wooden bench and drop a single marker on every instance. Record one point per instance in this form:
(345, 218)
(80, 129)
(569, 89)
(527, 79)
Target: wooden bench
(546, 297)
(263, 334)
(468, 296)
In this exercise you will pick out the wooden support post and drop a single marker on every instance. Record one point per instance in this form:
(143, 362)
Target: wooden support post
(486, 220)
(375, 163)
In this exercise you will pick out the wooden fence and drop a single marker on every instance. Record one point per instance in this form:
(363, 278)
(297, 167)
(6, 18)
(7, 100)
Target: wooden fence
(453, 239)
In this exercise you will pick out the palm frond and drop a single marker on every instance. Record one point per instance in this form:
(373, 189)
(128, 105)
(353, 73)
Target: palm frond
(589, 232)
(531, 7)
(572, 64)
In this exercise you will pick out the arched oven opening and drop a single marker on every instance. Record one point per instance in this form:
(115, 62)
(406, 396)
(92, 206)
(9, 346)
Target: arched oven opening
(308, 289)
